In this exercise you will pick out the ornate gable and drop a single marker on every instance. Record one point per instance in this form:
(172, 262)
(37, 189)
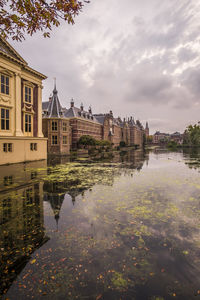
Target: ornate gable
(8, 50)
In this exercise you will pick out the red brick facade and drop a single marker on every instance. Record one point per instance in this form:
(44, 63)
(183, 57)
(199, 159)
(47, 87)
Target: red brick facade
(80, 122)
(81, 127)
(58, 134)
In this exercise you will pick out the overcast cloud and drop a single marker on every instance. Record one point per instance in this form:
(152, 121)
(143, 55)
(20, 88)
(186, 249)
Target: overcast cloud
(136, 57)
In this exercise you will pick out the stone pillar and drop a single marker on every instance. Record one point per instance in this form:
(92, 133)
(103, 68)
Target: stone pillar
(18, 96)
(40, 133)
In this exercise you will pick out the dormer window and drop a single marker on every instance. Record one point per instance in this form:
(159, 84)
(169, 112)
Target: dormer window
(4, 84)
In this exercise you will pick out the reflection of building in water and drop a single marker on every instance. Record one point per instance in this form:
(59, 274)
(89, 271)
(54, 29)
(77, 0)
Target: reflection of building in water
(53, 193)
(75, 185)
(58, 159)
(133, 159)
(17, 175)
(21, 230)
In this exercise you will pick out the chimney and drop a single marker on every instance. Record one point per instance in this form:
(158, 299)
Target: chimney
(90, 109)
(111, 113)
(81, 107)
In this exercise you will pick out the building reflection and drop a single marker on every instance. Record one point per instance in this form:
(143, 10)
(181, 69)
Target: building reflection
(21, 222)
(21, 204)
(54, 192)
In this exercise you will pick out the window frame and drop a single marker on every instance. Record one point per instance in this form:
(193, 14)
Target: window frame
(64, 127)
(29, 123)
(7, 147)
(53, 139)
(29, 88)
(5, 120)
(64, 137)
(54, 126)
(5, 84)
(33, 146)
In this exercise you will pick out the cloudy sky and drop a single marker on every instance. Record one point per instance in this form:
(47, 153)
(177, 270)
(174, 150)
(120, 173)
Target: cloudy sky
(139, 58)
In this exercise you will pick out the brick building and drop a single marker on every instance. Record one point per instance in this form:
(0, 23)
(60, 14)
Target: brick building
(80, 122)
(56, 126)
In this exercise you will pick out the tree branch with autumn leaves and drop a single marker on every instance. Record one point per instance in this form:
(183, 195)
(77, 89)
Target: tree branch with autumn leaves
(21, 17)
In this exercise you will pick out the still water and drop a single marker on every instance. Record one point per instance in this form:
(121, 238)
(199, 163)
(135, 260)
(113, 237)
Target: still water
(125, 228)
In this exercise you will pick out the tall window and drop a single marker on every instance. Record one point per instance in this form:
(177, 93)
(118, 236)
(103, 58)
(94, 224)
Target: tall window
(27, 94)
(54, 125)
(54, 139)
(64, 126)
(5, 119)
(27, 123)
(4, 84)
(64, 139)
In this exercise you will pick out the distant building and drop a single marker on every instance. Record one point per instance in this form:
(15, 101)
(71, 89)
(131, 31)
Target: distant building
(21, 137)
(159, 137)
(177, 137)
(79, 122)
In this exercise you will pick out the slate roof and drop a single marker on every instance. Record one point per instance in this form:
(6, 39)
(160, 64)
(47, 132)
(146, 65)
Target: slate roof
(45, 105)
(100, 118)
(79, 113)
(52, 108)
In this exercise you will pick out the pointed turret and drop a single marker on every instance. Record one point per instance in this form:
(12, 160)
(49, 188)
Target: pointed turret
(55, 109)
(147, 129)
(72, 102)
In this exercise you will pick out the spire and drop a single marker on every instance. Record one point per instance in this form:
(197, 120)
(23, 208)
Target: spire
(55, 90)
(147, 126)
(72, 102)
(55, 109)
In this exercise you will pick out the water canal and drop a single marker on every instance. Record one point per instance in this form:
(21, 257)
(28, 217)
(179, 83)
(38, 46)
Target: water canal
(127, 228)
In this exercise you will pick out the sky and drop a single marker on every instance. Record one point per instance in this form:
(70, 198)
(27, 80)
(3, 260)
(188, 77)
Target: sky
(135, 57)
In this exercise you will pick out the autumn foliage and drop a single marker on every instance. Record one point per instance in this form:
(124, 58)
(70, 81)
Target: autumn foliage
(29, 16)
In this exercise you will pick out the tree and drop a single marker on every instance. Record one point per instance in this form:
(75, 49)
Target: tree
(149, 139)
(122, 144)
(86, 140)
(192, 135)
(18, 17)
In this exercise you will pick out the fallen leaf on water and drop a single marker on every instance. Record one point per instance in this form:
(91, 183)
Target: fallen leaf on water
(33, 261)
(162, 270)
